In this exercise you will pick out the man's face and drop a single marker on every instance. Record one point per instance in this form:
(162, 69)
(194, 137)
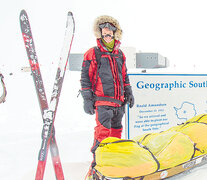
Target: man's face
(107, 31)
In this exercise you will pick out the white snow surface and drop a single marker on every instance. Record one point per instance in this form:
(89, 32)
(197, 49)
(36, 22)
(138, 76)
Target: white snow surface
(176, 29)
(21, 125)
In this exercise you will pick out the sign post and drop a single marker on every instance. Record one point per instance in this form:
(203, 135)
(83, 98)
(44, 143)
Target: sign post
(164, 100)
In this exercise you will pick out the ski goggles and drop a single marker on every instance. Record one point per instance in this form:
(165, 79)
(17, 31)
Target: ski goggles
(108, 25)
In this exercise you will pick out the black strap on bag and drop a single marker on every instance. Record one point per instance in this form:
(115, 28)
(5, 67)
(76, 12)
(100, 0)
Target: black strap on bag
(98, 55)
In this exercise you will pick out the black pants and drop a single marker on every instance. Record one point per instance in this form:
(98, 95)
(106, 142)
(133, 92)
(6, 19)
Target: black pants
(108, 124)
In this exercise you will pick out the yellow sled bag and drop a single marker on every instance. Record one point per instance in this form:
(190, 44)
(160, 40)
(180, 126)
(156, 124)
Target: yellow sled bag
(169, 148)
(196, 129)
(202, 118)
(124, 158)
(198, 134)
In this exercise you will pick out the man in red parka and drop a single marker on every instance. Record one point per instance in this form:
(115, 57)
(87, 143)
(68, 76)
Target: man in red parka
(105, 85)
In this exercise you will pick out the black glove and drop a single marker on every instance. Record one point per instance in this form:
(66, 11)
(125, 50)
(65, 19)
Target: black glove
(129, 98)
(88, 104)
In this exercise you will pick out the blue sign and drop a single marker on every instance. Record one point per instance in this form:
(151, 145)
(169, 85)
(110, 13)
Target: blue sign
(164, 100)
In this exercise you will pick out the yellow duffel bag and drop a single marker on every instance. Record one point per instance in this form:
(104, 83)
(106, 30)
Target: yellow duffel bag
(196, 129)
(170, 148)
(198, 134)
(202, 118)
(123, 158)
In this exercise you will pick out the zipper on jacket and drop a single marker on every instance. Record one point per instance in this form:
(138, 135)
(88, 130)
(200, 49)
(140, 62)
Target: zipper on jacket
(116, 72)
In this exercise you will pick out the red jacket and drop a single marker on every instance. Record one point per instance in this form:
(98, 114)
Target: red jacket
(110, 78)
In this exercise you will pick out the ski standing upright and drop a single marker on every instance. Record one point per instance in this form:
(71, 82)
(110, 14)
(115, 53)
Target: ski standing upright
(48, 112)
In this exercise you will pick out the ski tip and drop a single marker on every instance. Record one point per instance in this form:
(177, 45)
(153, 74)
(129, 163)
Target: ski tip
(23, 15)
(23, 11)
(70, 13)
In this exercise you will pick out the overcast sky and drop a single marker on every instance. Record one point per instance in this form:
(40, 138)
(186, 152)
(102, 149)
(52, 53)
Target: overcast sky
(174, 28)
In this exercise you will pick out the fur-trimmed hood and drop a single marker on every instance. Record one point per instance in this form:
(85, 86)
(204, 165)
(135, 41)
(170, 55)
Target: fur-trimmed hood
(104, 19)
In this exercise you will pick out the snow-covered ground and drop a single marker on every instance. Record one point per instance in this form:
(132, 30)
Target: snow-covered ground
(167, 27)
(21, 124)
